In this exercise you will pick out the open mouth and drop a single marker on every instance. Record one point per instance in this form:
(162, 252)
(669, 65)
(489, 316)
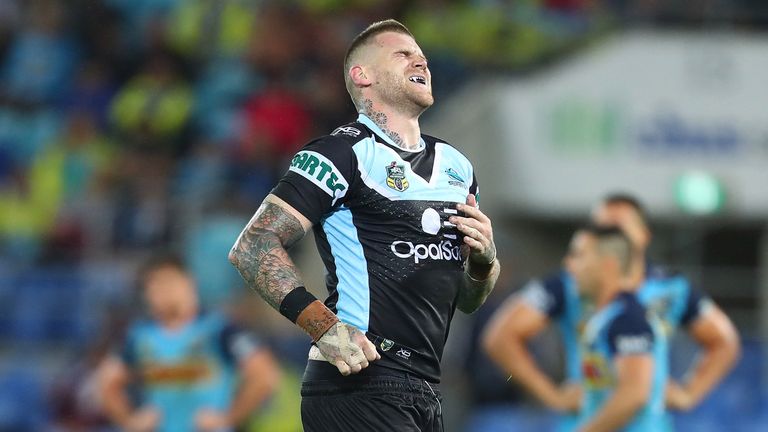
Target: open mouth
(418, 79)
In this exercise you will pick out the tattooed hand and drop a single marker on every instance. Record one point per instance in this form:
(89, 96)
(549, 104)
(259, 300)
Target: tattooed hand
(347, 348)
(478, 233)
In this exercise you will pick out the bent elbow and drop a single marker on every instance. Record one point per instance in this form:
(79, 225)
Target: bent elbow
(728, 345)
(235, 255)
(468, 308)
(490, 340)
(733, 348)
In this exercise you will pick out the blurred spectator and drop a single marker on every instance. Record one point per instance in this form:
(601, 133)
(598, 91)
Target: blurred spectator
(75, 400)
(152, 109)
(41, 58)
(22, 400)
(211, 29)
(97, 26)
(91, 92)
(49, 201)
(143, 23)
(201, 176)
(446, 26)
(24, 133)
(326, 94)
(80, 164)
(10, 17)
(221, 88)
(277, 122)
(63, 173)
(276, 47)
(142, 202)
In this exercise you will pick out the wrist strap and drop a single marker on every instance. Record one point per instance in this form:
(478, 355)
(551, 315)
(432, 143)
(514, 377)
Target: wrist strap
(316, 319)
(309, 313)
(295, 302)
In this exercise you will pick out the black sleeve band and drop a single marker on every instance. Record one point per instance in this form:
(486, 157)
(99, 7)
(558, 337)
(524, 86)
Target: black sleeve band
(295, 302)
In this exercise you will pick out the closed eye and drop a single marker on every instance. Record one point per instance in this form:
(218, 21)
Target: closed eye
(408, 54)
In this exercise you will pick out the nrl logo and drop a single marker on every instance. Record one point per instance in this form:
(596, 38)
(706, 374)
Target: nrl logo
(396, 177)
(386, 345)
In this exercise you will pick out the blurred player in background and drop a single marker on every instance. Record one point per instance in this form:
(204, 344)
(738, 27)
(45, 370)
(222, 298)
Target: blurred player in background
(623, 361)
(556, 300)
(397, 226)
(193, 370)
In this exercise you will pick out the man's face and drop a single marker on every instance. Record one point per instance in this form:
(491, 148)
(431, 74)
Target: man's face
(169, 293)
(627, 219)
(401, 76)
(583, 263)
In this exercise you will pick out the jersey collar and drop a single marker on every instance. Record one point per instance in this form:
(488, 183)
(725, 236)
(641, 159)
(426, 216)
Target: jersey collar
(364, 119)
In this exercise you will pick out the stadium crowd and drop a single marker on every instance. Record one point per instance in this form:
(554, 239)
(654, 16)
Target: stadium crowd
(131, 126)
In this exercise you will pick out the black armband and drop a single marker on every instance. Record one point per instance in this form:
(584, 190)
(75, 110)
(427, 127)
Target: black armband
(295, 302)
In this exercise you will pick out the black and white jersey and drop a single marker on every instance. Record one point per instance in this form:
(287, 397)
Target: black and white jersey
(380, 215)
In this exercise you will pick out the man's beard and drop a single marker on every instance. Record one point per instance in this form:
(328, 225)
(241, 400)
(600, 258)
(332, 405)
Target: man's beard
(395, 92)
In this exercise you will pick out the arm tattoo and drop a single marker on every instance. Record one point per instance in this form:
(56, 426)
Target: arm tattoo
(381, 121)
(260, 253)
(335, 339)
(473, 293)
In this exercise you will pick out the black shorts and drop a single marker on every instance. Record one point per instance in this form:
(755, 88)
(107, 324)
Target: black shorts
(377, 399)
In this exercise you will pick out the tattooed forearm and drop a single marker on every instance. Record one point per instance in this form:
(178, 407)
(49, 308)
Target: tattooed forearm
(473, 293)
(381, 121)
(260, 253)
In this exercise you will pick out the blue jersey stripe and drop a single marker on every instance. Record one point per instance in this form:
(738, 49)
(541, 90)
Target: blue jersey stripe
(353, 306)
(569, 327)
(570, 321)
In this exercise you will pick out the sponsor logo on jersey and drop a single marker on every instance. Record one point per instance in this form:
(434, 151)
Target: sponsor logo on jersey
(396, 177)
(597, 374)
(443, 251)
(346, 130)
(185, 372)
(454, 179)
(638, 344)
(321, 171)
(404, 353)
(386, 344)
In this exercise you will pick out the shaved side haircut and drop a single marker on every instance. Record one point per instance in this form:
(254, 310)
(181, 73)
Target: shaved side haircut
(612, 241)
(365, 38)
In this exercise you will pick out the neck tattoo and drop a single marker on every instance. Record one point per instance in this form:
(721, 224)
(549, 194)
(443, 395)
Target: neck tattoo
(381, 121)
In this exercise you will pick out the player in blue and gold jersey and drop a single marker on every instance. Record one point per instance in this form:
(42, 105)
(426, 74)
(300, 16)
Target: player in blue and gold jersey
(191, 370)
(556, 300)
(623, 360)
